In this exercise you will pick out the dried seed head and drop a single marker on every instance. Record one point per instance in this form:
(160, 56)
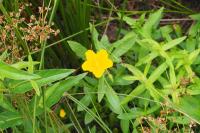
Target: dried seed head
(40, 10)
(34, 29)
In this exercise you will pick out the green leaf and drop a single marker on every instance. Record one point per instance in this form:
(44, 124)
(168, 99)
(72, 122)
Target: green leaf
(193, 55)
(130, 78)
(172, 76)
(86, 101)
(47, 77)
(135, 24)
(101, 89)
(122, 46)
(105, 42)
(190, 44)
(78, 49)
(135, 113)
(10, 119)
(195, 16)
(166, 30)
(95, 38)
(173, 43)
(151, 23)
(30, 65)
(135, 71)
(113, 99)
(130, 116)
(157, 72)
(189, 106)
(124, 126)
(130, 21)
(135, 92)
(7, 71)
(23, 64)
(88, 118)
(147, 58)
(151, 45)
(54, 94)
(179, 119)
(193, 89)
(194, 29)
(35, 87)
(93, 129)
(124, 80)
(6, 104)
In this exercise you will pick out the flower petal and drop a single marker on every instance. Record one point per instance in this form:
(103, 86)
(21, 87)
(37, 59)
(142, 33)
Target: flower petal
(98, 72)
(87, 66)
(108, 63)
(90, 54)
(102, 54)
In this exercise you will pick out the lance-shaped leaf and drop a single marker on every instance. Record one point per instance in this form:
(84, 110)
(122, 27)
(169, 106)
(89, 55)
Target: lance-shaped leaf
(7, 71)
(78, 49)
(47, 77)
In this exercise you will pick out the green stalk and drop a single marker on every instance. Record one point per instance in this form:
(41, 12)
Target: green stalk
(16, 5)
(44, 106)
(182, 6)
(73, 118)
(55, 7)
(53, 126)
(34, 113)
(97, 119)
(56, 2)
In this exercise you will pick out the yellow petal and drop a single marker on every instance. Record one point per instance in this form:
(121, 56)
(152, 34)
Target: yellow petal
(102, 54)
(109, 63)
(105, 62)
(90, 54)
(98, 72)
(85, 66)
(89, 65)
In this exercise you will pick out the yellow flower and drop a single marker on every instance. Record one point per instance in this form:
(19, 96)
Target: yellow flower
(97, 63)
(62, 113)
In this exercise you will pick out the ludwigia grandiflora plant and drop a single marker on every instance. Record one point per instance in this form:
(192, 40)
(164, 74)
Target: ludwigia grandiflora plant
(147, 81)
